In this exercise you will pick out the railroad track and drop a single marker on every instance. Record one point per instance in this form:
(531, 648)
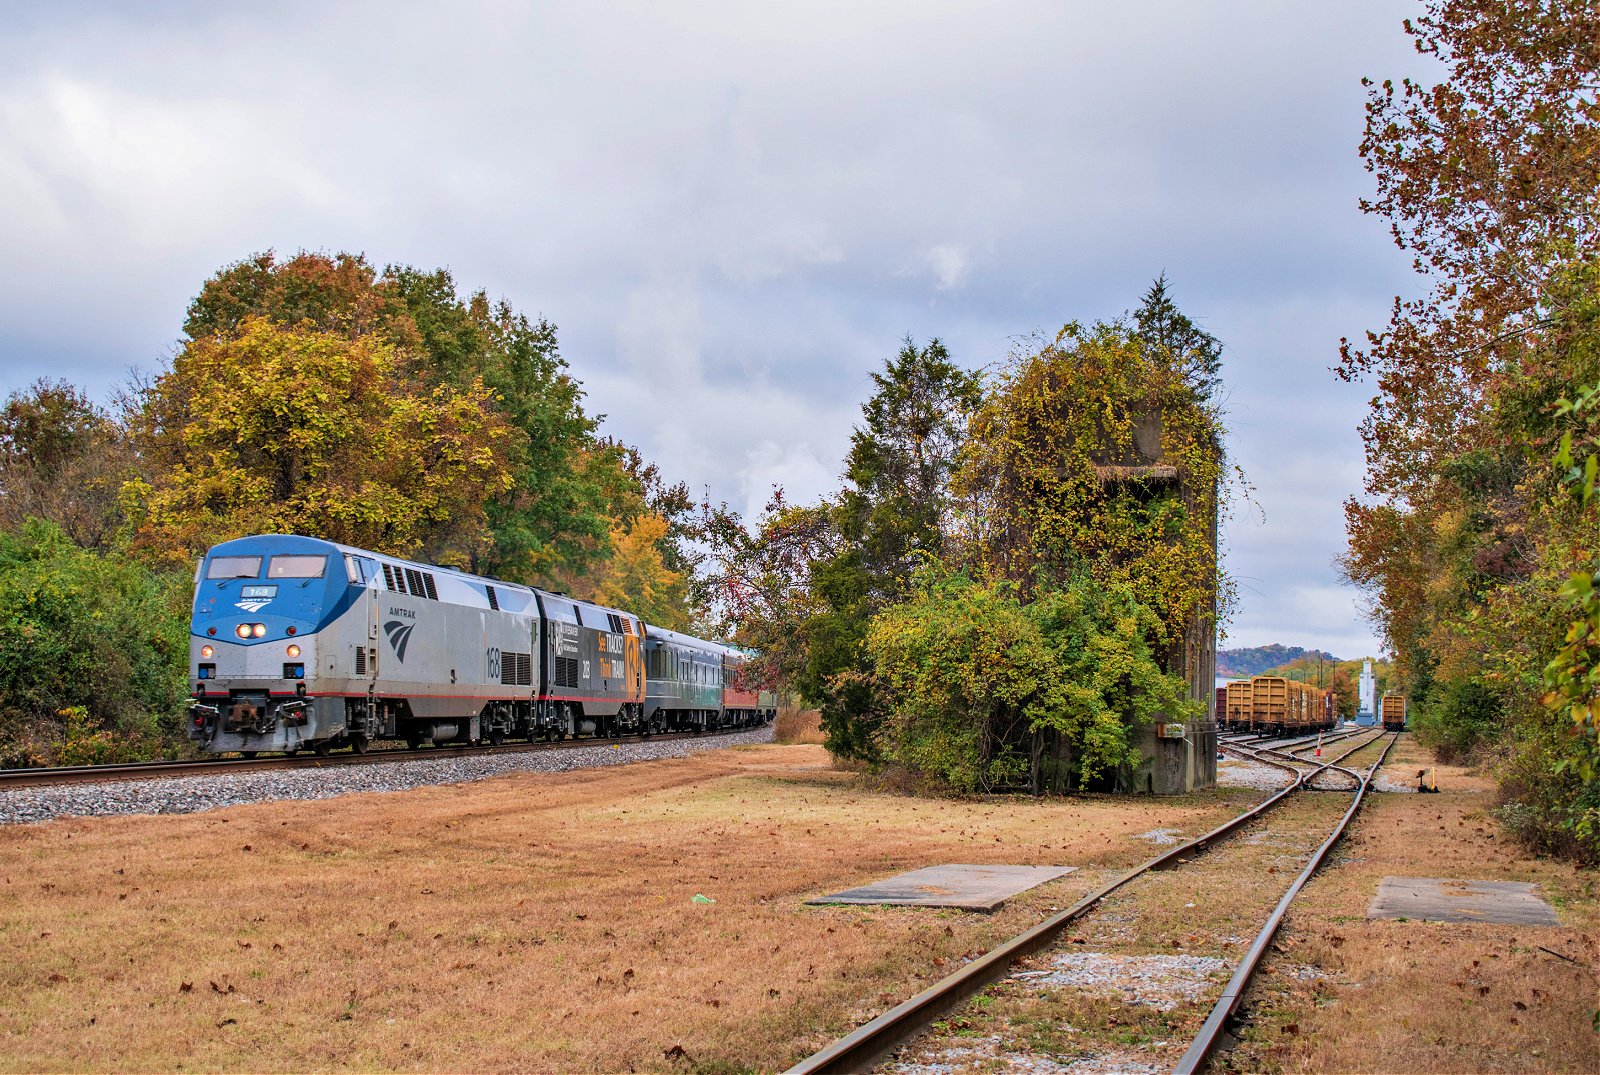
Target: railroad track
(1216, 1023)
(160, 770)
(872, 1042)
(1327, 737)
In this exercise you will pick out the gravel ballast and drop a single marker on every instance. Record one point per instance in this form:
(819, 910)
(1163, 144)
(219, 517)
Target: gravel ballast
(192, 794)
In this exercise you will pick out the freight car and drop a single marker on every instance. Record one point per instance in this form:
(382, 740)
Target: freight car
(298, 643)
(1394, 713)
(1269, 705)
(1276, 705)
(1233, 706)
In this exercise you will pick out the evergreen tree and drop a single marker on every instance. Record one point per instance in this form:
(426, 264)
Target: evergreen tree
(898, 472)
(1196, 354)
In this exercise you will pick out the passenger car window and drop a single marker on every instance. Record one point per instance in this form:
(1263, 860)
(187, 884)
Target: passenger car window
(297, 567)
(234, 567)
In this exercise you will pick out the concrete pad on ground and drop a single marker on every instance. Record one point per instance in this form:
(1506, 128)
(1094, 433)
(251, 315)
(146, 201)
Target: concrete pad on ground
(1435, 899)
(969, 888)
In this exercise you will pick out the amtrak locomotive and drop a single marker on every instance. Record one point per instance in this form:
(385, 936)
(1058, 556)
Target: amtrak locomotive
(302, 644)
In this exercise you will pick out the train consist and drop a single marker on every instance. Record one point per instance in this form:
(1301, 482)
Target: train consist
(302, 644)
(1275, 705)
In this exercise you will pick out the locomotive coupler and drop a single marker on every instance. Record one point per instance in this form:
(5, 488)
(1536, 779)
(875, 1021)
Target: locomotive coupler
(293, 713)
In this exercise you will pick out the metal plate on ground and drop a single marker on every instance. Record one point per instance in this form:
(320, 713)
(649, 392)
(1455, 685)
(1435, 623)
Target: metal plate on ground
(970, 888)
(1435, 899)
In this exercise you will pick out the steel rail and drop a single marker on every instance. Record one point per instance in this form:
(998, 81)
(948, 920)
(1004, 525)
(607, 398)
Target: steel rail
(871, 1042)
(1215, 1024)
(1292, 751)
(1327, 737)
(157, 770)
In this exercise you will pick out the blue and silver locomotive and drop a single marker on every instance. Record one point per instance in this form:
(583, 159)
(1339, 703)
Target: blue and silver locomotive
(298, 643)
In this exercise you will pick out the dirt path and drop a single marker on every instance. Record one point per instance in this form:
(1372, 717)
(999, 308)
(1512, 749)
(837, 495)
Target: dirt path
(529, 922)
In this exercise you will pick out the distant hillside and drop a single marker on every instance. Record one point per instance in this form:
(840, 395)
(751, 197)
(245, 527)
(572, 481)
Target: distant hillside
(1239, 663)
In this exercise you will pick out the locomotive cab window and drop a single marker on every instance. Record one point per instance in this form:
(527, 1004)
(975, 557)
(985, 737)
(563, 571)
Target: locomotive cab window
(234, 567)
(297, 567)
(352, 570)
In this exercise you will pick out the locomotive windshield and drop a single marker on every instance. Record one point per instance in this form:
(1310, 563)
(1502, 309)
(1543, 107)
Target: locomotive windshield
(234, 567)
(297, 567)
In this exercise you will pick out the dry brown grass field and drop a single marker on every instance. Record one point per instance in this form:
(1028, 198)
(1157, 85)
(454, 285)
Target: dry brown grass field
(535, 922)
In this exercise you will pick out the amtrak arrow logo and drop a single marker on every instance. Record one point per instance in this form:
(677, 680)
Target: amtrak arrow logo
(251, 606)
(399, 636)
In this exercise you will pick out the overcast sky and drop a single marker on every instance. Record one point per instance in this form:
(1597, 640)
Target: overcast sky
(733, 211)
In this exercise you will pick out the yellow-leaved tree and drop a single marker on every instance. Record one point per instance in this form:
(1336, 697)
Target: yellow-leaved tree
(279, 429)
(636, 577)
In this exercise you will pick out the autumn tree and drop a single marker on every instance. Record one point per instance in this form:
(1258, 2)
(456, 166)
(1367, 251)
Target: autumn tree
(552, 517)
(292, 430)
(1488, 179)
(63, 459)
(652, 567)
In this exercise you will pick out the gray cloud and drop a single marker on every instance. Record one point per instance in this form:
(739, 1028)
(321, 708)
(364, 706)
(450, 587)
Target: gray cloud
(733, 211)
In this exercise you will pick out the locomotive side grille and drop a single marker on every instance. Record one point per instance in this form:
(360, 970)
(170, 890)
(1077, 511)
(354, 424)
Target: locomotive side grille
(427, 580)
(565, 672)
(414, 583)
(494, 602)
(516, 669)
(627, 625)
(388, 578)
(361, 660)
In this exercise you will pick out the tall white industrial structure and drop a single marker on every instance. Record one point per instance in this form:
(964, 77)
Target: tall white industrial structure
(1367, 713)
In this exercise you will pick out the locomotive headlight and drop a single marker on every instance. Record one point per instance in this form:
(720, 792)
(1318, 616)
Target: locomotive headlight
(243, 630)
(259, 630)
(294, 651)
(206, 651)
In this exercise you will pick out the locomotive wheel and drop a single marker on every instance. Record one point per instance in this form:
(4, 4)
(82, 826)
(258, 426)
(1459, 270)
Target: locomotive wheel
(496, 738)
(413, 742)
(247, 755)
(359, 744)
(323, 747)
